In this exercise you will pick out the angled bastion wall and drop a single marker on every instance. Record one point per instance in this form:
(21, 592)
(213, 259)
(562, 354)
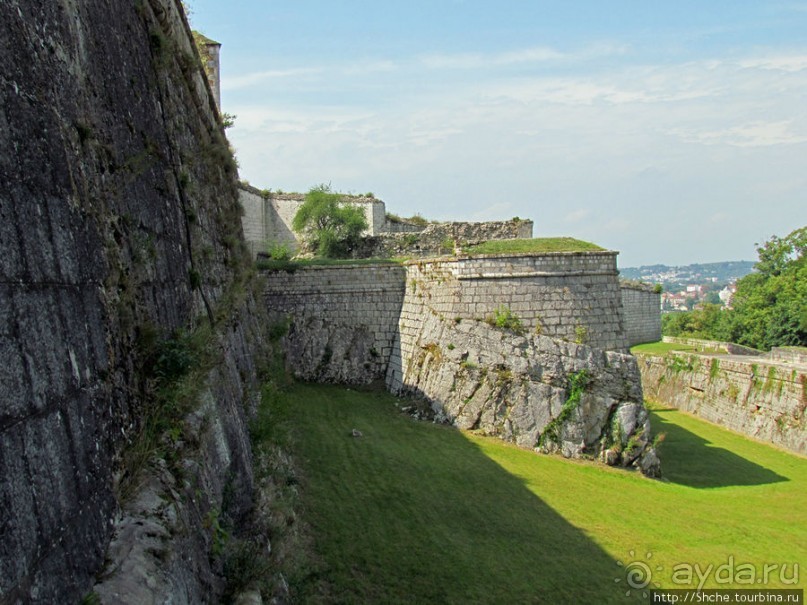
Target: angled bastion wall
(420, 327)
(569, 295)
(342, 319)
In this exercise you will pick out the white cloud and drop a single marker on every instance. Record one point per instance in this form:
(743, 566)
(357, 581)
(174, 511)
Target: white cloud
(577, 215)
(753, 134)
(481, 60)
(787, 63)
(247, 80)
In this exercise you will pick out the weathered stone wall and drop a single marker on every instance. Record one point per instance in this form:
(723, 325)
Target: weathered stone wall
(569, 295)
(517, 388)
(789, 354)
(340, 321)
(759, 397)
(641, 306)
(118, 219)
(268, 216)
(402, 226)
(444, 238)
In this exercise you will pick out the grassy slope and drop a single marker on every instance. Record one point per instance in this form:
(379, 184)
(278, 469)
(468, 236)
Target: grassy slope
(414, 512)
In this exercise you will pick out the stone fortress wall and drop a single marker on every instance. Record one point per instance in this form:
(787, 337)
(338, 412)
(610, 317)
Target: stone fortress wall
(641, 306)
(268, 216)
(762, 397)
(569, 295)
(339, 322)
(342, 320)
(421, 328)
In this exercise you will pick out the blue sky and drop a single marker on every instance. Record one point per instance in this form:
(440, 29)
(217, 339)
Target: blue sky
(672, 131)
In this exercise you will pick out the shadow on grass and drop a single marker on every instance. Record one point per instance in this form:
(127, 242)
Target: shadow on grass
(688, 459)
(416, 513)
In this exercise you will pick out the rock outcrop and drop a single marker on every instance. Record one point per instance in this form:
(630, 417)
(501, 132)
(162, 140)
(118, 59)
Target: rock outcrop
(119, 232)
(534, 391)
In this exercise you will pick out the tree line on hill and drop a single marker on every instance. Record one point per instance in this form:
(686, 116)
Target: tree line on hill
(769, 308)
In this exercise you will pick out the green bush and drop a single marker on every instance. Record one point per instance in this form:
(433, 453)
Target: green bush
(768, 309)
(502, 317)
(279, 251)
(331, 227)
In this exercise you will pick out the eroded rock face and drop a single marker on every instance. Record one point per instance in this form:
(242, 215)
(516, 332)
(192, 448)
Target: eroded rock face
(118, 220)
(517, 388)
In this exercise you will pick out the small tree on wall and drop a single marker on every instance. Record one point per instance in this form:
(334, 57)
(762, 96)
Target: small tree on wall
(328, 226)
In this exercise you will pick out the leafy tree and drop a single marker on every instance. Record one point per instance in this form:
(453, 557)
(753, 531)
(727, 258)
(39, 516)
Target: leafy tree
(330, 227)
(769, 308)
(770, 305)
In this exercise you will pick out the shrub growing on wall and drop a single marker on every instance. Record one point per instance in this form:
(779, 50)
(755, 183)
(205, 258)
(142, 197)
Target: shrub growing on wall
(330, 227)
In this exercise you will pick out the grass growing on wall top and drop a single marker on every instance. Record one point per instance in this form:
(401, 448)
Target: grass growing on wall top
(537, 245)
(413, 512)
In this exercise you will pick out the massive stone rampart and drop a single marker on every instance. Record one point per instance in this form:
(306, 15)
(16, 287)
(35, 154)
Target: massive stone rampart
(421, 326)
(522, 388)
(568, 295)
(339, 322)
(119, 227)
(762, 398)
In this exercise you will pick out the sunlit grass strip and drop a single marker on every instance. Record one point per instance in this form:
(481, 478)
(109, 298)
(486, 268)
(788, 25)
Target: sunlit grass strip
(414, 512)
(663, 348)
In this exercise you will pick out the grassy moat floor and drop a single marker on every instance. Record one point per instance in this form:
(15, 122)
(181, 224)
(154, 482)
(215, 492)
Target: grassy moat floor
(412, 512)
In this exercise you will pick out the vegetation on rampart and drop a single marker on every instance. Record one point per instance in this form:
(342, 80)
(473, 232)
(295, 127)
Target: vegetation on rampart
(330, 227)
(769, 308)
(539, 245)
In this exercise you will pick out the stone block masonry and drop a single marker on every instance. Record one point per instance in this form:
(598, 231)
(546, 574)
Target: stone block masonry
(569, 295)
(340, 322)
(759, 397)
(641, 306)
(119, 225)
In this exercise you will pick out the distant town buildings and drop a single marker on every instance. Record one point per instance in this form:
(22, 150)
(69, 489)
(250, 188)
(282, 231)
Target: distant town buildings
(688, 287)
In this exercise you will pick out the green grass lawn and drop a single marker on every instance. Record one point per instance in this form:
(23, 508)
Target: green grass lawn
(413, 512)
(662, 348)
(537, 245)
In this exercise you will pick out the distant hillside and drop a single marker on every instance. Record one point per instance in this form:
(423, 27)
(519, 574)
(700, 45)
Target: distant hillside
(725, 272)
